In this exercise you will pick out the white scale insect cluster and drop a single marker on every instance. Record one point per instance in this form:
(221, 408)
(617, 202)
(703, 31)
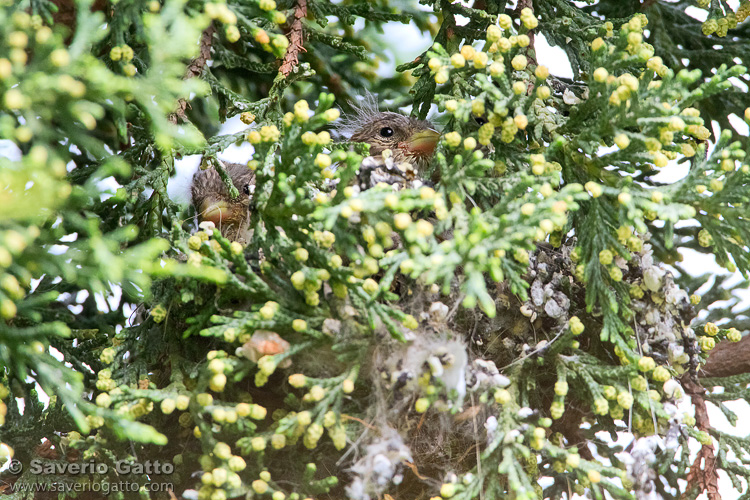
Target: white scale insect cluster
(450, 366)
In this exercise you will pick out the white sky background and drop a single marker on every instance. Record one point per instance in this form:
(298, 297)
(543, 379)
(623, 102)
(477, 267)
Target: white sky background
(406, 43)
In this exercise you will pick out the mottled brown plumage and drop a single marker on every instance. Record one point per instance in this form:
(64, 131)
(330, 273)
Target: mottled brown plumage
(409, 140)
(213, 203)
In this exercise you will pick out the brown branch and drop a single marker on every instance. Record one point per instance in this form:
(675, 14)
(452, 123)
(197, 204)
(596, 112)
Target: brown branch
(195, 68)
(414, 470)
(728, 359)
(296, 39)
(523, 4)
(706, 478)
(349, 417)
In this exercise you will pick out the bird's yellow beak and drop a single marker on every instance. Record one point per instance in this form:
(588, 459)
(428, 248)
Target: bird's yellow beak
(423, 143)
(214, 212)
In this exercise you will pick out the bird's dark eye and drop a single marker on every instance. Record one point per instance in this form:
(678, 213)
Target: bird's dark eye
(481, 120)
(386, 132)
(246, 189)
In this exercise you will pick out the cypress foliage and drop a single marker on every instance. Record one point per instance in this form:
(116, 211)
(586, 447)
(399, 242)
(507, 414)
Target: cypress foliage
(488, 331)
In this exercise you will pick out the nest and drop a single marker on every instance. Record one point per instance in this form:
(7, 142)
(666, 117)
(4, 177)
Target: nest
(458, 351)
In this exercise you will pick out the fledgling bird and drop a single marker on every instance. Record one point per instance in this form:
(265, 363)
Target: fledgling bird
(410, 141)
(213, 202)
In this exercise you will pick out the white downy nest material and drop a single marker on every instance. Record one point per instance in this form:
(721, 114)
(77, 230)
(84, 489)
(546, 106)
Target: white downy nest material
(380, 466)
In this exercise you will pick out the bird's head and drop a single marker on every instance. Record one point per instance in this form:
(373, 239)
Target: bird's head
(213, 202)
(410, 140)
